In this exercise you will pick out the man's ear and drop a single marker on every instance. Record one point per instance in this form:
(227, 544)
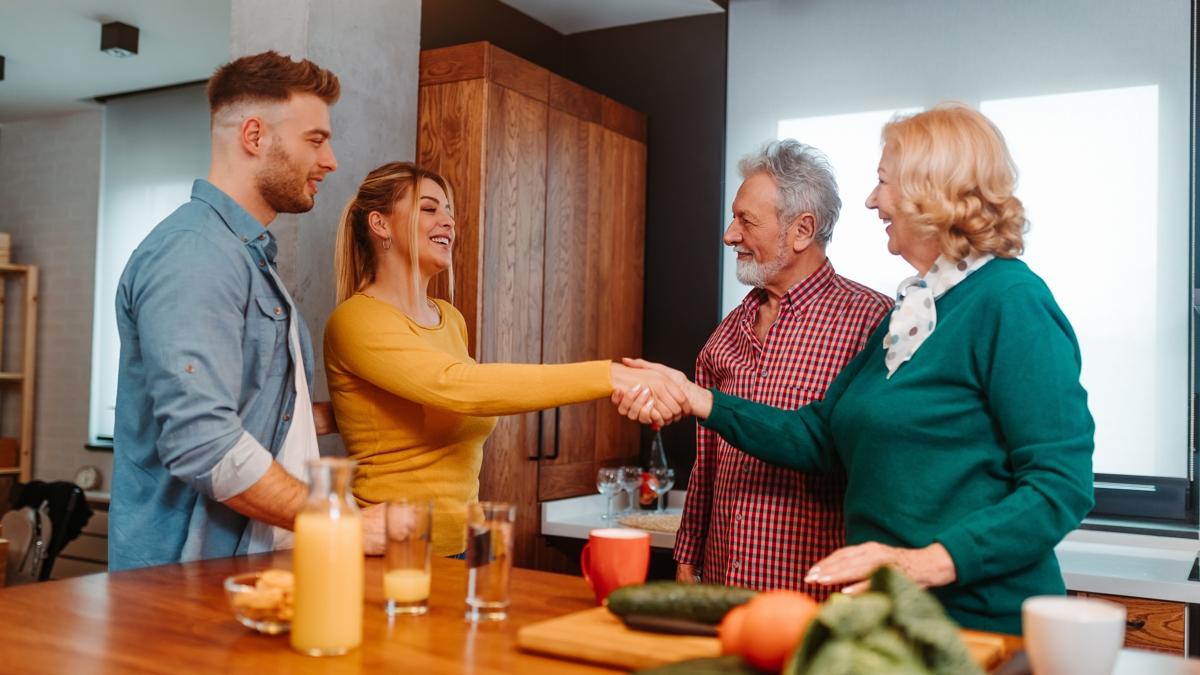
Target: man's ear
(804, 229)
(252, 135)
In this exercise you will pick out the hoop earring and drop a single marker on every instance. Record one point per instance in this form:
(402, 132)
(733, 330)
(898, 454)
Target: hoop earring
(387, 243)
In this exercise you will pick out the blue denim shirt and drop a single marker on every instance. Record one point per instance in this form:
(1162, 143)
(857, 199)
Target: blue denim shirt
(205, 390)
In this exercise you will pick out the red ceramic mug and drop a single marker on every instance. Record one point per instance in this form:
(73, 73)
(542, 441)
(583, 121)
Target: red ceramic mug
(613, 558)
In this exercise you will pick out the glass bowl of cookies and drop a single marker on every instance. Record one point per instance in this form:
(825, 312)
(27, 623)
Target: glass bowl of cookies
(262, 600)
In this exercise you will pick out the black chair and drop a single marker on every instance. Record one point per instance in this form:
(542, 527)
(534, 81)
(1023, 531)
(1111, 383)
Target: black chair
(68, 510)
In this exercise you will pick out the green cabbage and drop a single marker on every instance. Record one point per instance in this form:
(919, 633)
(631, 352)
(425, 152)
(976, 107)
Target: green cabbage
(895, 627)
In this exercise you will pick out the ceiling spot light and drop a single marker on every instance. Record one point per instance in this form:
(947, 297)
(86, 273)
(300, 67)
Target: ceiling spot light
(118, 39)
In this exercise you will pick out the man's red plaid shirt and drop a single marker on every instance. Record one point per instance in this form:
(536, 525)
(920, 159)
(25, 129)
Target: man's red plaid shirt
(747, 523)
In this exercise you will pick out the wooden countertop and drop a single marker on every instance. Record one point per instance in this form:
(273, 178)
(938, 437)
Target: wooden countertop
(174, 619)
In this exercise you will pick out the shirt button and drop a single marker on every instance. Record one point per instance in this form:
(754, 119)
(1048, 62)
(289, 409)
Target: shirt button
(244, 240)
(287, 417)
(763, 373)
(736, 564)
(738, 516)
(262, 263)
(746, 467)
(278, 311)
(262, 237)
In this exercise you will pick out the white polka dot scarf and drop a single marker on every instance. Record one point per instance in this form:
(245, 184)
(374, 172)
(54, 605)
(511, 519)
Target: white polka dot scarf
(915, 315)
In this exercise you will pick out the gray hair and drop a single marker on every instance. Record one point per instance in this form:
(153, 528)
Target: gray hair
(805, 182)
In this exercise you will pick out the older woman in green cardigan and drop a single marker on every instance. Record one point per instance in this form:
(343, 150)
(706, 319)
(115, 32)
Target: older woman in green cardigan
(962, 425)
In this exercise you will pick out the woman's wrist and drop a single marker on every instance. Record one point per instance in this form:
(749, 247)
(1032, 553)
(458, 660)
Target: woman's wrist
(935, 566)
(703, 403)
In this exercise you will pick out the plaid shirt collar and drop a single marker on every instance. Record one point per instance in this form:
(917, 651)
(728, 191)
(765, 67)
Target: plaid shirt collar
(796, 299)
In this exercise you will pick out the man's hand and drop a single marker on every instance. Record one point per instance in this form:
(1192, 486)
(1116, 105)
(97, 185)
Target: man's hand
(686, 574)
(929, 566)
(373, 522)
(323, 418)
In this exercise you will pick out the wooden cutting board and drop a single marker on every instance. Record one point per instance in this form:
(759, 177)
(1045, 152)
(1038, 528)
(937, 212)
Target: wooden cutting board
(598, 636)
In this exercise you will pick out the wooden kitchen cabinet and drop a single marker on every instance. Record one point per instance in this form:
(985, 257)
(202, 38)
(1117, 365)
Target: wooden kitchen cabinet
(549, 180)
(1157, 625)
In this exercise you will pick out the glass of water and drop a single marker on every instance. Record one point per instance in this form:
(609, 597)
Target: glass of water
(608, 482)
(489, 559)
(663, 481)
(631, 482)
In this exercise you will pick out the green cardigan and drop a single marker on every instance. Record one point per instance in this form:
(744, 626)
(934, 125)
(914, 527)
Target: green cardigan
(983, 442)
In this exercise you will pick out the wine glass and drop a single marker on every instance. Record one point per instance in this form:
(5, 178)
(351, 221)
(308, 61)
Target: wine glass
(608, 482)
(663, 481)
(631, 480)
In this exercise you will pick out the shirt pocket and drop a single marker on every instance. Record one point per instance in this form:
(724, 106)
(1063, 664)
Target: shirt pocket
(269, 332)
(800, 395)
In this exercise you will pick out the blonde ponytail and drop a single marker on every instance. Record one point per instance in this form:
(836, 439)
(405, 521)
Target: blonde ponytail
(353, 264)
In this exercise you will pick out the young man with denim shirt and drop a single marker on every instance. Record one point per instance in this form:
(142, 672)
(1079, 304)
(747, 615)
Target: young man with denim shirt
(210, 394)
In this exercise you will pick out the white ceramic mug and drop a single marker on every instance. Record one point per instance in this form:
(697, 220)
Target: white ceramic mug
(1072, 636)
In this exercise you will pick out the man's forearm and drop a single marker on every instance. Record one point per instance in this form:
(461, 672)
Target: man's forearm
(275, 498)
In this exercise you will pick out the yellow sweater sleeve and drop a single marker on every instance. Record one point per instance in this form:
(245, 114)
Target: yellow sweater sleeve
(388, 353)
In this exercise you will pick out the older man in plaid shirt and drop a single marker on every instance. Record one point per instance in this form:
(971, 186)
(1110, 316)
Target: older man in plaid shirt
(747, 523)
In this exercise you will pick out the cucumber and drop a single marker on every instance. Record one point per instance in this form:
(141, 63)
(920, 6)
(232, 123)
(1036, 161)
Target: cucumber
(706, 603)
(721, 665)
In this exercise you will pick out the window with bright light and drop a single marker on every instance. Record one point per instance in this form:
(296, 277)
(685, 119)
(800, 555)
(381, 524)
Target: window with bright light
(155, 145)
(1097, 115)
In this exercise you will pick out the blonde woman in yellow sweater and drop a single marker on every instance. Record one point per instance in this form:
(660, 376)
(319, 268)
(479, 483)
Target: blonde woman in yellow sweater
(411, 404)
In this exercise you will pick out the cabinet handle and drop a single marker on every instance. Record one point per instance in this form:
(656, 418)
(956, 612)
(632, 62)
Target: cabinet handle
(556, 419)
(537, 454)
(1136, 624)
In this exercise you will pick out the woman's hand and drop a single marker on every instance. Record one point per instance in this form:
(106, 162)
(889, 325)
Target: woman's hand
(374, 534)
(659, 398)
(634, 405)
(323, 418)
(853, 565)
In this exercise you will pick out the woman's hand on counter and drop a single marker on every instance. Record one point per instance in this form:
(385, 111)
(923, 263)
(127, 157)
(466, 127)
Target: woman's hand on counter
(636, 404)
(852, 566)
(374, 539)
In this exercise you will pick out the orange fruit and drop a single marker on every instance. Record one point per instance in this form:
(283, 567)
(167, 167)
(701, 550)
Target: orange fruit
(730, 630)
(771, 627)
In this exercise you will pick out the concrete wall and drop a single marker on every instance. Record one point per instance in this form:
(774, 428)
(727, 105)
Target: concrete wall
(374, 48)
(49, 192)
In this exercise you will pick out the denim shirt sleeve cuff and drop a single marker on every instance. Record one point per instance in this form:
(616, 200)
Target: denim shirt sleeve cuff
(242, 466)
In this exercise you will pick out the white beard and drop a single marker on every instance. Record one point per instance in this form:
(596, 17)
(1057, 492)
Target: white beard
(756, 274)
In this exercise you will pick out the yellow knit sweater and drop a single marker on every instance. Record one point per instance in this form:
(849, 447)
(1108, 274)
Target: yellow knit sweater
(414, 408)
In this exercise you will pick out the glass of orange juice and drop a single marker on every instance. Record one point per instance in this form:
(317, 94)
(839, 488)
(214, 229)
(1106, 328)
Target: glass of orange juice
(407, 559)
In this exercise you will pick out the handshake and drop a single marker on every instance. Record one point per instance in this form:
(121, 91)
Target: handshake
(652, 393)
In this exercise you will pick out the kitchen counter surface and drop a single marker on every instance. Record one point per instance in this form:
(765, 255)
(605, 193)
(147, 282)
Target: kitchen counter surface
(575, 517)
(1133, 565)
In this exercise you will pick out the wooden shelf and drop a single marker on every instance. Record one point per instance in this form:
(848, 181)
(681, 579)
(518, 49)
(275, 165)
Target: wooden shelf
(19, 296)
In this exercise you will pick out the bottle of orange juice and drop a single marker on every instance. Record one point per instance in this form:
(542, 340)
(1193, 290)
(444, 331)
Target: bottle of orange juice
(328, 563)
